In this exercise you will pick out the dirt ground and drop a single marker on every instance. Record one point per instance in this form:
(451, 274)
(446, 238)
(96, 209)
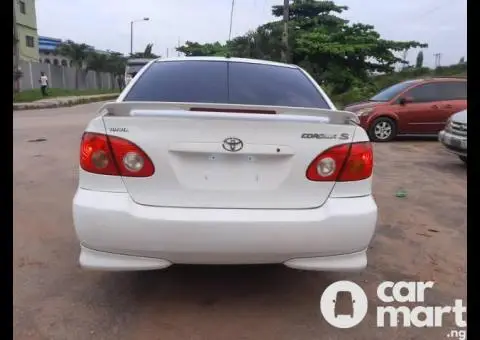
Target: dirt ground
(419, 237)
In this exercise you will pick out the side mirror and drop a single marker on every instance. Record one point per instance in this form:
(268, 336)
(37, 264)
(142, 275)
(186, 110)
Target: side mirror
(405, 100)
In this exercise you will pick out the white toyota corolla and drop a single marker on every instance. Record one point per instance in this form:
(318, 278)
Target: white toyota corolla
(224, 161)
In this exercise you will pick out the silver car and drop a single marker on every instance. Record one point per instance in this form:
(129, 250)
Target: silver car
(454, 136)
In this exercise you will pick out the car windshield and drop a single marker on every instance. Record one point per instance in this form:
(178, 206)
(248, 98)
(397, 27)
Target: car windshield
(226, 82)
(391, 92)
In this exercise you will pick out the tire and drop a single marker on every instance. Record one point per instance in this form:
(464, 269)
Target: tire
(463, 158)
(383, 129)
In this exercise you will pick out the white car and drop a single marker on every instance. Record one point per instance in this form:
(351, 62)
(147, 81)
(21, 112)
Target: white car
(206, 160)
(454, 136)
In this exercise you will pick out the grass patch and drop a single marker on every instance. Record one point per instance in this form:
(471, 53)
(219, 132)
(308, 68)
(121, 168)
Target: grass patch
(33, 95)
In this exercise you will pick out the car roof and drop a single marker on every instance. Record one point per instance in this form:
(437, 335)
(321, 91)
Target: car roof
(234, 60)
(433, 79)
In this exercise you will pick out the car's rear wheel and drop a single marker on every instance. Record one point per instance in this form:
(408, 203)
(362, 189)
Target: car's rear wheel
(463, 158)
(383, 129)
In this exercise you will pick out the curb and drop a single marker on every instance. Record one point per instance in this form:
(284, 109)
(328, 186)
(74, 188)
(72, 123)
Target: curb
(60, 103)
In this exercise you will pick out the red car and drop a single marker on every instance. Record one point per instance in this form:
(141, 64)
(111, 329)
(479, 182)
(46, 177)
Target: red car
(413, 107)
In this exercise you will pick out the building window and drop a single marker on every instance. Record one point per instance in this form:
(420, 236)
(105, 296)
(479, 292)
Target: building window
(64, 63)
(47, 61)
(30, 41)
(55, 62)
(22, 7)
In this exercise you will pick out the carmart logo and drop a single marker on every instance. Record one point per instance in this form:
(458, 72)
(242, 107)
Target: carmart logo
(349, 312)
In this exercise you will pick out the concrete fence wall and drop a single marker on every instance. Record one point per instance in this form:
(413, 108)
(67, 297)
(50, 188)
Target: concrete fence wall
(64, 77)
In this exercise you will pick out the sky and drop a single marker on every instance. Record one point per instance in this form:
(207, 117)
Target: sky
(105, 24)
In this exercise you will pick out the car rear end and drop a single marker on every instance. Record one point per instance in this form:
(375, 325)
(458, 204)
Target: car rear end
(203, 161)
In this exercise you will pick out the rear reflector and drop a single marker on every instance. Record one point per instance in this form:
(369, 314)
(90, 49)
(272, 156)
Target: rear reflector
(342, 163)
(114, 156)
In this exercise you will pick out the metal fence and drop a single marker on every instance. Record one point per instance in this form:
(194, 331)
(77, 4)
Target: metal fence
(64, 77)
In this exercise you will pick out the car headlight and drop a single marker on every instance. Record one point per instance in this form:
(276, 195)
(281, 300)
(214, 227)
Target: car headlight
(364, 112)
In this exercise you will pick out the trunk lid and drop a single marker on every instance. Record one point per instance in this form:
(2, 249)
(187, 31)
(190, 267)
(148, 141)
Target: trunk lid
(206, 158)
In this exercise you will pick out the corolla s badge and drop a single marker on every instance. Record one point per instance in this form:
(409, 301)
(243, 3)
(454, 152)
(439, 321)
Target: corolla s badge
(232, 144)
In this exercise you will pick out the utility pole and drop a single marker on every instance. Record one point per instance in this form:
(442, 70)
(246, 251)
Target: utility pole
(131, 37)
(15, 33)
(231, 20)
(178, 46)
(131, 32)
(285, 50)
(16, 53)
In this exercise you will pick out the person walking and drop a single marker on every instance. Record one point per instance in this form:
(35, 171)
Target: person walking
(43, 83)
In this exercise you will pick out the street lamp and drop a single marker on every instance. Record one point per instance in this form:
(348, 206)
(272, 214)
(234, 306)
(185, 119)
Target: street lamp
(131, 32)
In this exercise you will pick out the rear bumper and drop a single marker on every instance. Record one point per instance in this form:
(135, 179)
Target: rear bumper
(453, 143)
(117, 234)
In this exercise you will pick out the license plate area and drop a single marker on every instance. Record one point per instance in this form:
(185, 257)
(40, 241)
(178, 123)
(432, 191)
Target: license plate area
(230, 172)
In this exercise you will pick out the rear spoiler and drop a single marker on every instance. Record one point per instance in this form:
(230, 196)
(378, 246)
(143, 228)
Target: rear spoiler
(227, 111)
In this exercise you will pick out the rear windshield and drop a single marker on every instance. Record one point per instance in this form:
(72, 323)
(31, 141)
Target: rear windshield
(226, 82)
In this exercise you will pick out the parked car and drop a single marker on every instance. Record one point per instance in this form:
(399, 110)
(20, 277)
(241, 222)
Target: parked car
(202, 161)
(454, 137)
(413, 107)
(133, 67)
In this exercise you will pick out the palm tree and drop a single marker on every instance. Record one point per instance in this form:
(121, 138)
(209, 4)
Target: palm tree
(78, 53)
(147, 53)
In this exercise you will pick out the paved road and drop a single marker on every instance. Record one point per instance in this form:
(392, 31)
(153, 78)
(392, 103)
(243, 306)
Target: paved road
(421, 237)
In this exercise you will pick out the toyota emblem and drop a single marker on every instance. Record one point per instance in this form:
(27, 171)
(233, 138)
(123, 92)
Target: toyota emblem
(232, 144)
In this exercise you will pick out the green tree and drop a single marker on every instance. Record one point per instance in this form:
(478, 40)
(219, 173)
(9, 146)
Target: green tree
(337, 53)
(419, 62)
(97, 62)
(342, 54)
(194, 49)
(79, 54)
(116, 63)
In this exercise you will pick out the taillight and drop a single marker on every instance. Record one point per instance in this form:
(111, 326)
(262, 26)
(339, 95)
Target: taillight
(114, 156)
(342, 163)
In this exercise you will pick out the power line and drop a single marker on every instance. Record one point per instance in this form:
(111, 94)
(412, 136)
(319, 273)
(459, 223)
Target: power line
(431, 10)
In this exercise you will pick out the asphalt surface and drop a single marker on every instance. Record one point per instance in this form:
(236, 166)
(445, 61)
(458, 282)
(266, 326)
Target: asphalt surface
(420, 237)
